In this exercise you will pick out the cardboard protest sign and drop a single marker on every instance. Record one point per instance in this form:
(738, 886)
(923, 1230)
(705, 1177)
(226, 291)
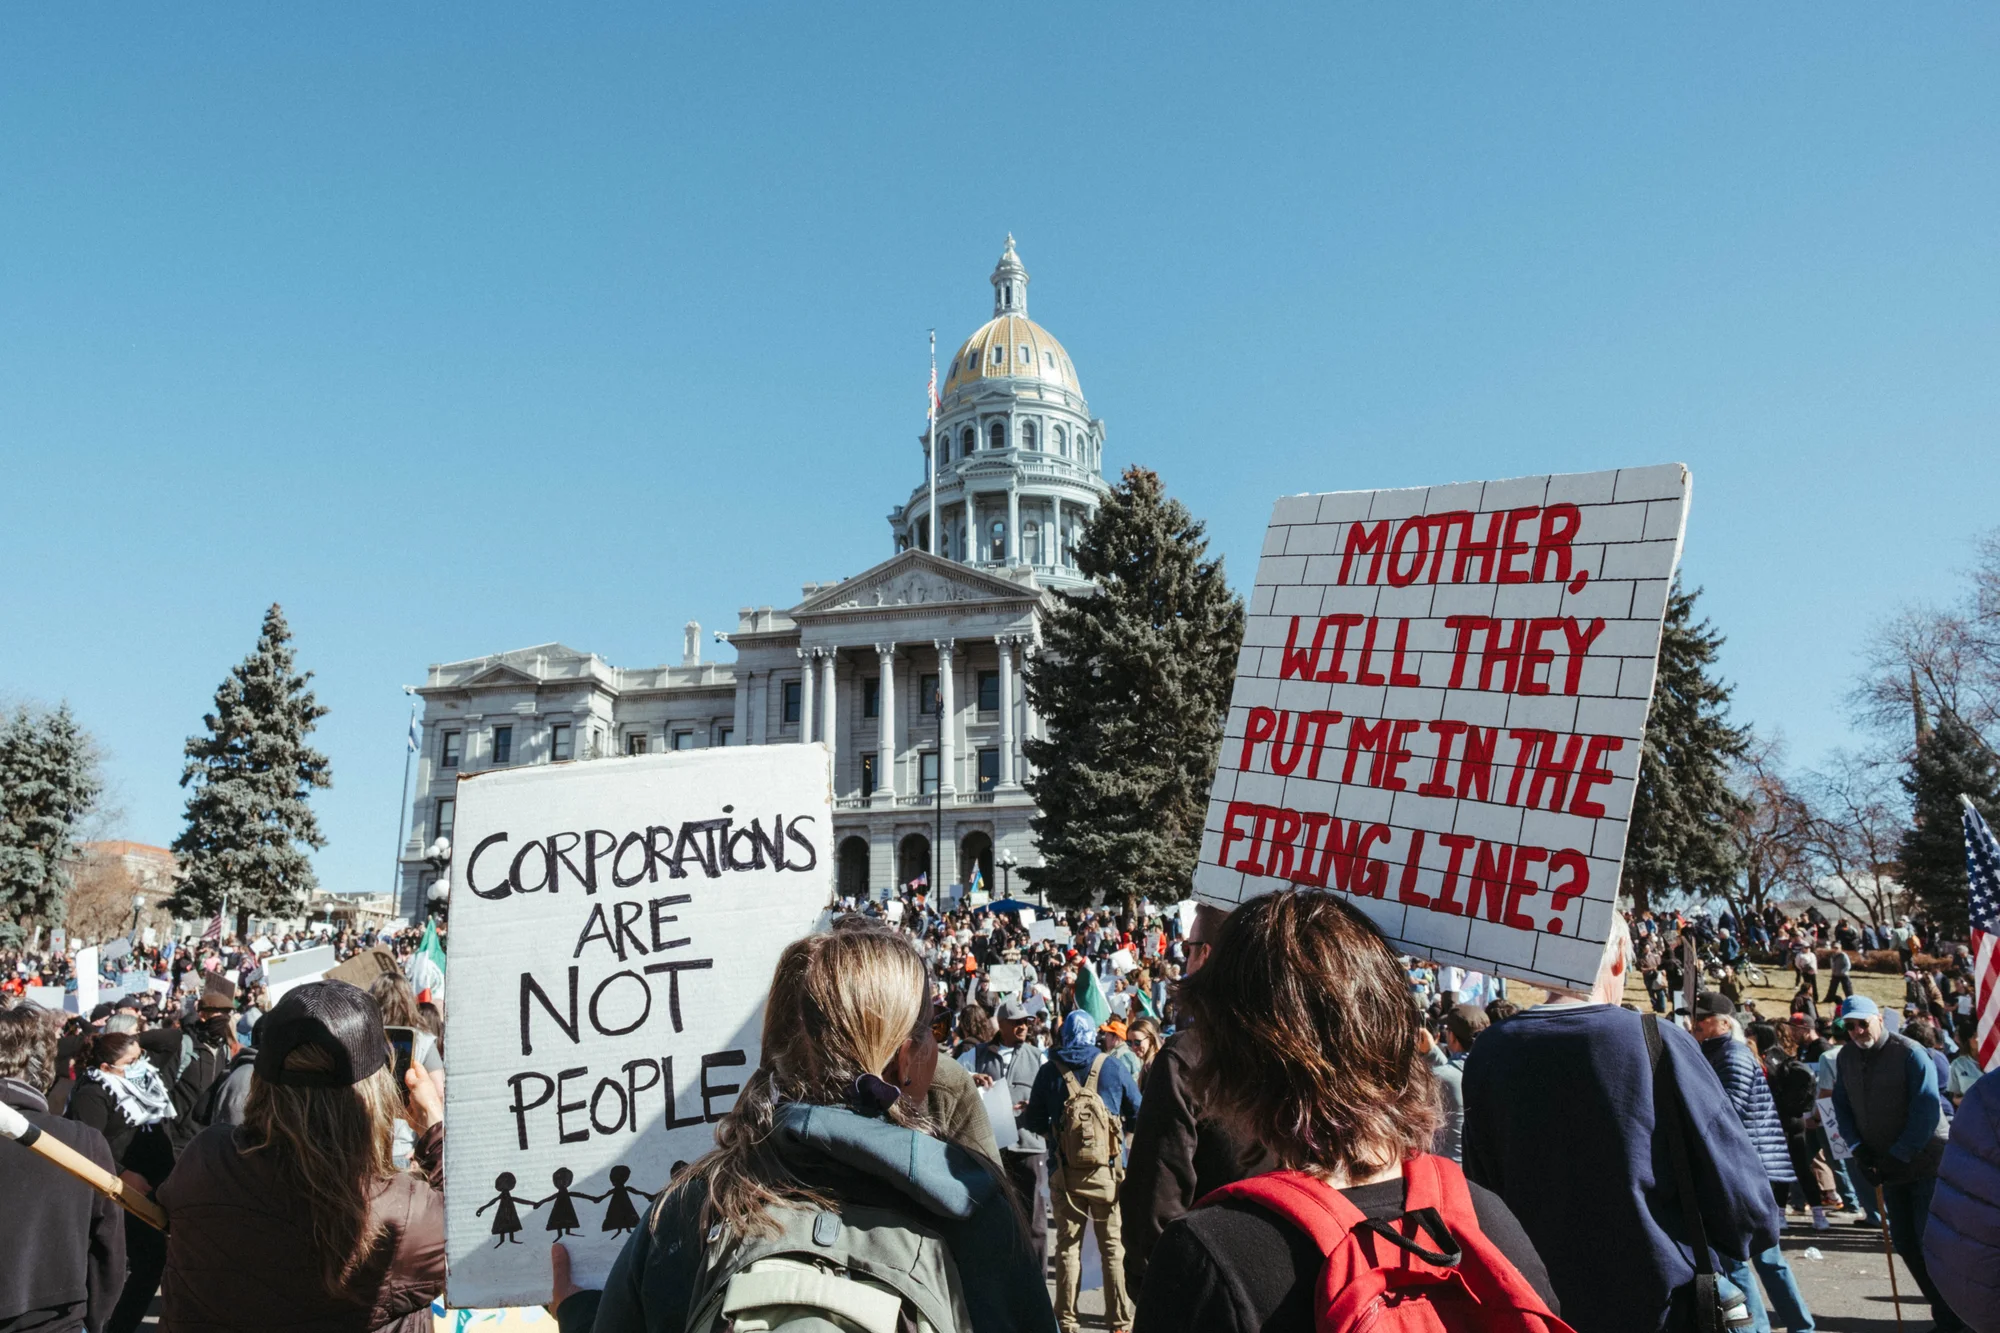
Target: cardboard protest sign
(614, 927)
(1007, 980)
(282, 971)
(49, 997)
(363, 969)
(1438, 710)
(1044, 930)
(85, 968)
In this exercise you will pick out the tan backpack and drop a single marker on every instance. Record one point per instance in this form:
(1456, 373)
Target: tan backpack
(1090, 1137)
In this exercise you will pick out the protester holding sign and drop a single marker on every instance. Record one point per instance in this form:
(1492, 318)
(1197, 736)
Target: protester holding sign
(298, 1218)
(120, 1094)
(1309, 1051)
(825, 1156)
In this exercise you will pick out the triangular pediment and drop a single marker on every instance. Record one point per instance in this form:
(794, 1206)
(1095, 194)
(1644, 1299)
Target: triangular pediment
(917, 578)
(500, 673)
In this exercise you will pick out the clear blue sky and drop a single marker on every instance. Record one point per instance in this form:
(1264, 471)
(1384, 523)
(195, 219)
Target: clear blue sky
(461, 328)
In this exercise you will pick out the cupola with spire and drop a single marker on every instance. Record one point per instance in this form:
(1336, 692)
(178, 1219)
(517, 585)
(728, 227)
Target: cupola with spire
(1010, 283)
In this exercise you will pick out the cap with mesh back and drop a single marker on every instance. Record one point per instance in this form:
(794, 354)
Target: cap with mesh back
(330, 1016)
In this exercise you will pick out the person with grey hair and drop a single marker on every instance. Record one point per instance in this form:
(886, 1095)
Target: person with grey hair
(65, 1257)
(1720, 1032)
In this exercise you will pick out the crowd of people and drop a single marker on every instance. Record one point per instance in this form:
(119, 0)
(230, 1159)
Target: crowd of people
(1267, 1118)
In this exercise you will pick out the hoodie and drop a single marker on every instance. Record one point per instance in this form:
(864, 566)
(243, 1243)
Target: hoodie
(857, 1159)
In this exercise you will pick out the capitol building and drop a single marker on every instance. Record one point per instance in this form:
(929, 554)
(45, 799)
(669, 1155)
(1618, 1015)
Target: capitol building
(910, 671)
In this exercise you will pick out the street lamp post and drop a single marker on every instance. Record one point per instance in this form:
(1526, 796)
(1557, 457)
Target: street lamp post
(1007, 863)
(138, 906)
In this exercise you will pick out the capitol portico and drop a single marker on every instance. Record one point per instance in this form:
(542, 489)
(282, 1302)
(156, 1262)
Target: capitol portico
(910, 671)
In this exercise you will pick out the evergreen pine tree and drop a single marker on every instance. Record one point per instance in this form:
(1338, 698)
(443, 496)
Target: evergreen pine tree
(48, 783)
(1950, 759)
(251, 773)
(1679, 838)
(1133, 681)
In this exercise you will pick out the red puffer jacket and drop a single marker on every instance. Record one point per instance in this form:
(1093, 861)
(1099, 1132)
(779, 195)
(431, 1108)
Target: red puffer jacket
(241, 1258)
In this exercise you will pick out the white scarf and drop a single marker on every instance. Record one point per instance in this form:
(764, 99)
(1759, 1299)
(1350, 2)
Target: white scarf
(141, 1095)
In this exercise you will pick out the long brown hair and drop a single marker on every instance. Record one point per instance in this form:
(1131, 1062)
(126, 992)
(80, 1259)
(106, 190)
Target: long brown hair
(1308, 1037)
(841, 1005)
(334, 1146)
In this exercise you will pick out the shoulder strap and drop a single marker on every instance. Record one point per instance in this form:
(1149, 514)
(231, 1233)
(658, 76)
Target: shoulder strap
(1667, 1105)
(1096, 1067)
(1315, 1208)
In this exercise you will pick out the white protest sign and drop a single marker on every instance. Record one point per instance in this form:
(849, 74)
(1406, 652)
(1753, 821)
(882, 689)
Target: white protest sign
(614, 927)
(1007, 979)
(1438, 710)
(1044, 930)
(282, 971)
(113, 950)
(49, 997)
(86, 980)
(1122, 962)
(1027, 915)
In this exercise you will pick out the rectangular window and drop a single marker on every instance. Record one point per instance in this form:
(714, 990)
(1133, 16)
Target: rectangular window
(989, 691)
(684, 740)
(503, 745)
(449, 749)
(927, 773)
(445, 812)
(792, 688)
(867, 775)
(989, 769)
(561, 747)
(635, 743)
(927, 695)
(871, 697)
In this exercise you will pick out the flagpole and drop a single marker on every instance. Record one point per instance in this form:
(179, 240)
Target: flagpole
(403, 816)
(931, 407)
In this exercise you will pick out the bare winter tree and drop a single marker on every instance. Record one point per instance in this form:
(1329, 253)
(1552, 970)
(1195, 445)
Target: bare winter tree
(1770, 831)
(1854, 820)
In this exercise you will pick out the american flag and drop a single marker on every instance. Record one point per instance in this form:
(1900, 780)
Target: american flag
(1982, 874)
(213, 933)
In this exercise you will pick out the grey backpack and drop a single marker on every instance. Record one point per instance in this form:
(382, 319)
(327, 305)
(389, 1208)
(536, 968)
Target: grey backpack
(860, 1270)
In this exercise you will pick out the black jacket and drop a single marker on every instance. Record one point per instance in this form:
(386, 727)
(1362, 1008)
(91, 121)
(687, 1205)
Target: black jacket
(146, 1149)
(1177, 1157)
(65, 1253)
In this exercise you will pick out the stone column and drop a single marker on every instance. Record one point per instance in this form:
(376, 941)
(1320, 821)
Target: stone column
(805, 695)
(972, 543)
(947, 717)
(739, 722)
(885, 703)
(1006, 645)
(829, 714)
(1013, 525)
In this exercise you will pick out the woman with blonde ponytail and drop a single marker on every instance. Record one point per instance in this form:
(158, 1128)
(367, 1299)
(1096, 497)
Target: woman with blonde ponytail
(829, 1133)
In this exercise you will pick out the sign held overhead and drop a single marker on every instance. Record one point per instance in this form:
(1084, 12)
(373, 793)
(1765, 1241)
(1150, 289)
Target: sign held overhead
(614, 927)
(1438, 711)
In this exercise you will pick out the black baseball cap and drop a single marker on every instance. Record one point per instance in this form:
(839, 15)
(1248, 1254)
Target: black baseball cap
(1711, 1004)
(331, 1016)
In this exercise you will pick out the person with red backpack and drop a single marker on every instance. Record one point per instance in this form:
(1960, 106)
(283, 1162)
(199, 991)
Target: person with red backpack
(1309, 1053)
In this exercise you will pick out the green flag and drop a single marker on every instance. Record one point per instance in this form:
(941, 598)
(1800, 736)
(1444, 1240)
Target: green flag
(1146, 1004)
(1090, 995)
(425, 969)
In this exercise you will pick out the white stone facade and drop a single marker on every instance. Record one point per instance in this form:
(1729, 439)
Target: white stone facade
(869, 664)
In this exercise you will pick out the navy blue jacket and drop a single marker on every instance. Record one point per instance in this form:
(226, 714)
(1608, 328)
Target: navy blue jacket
(1962, 1241)
(1115, 1089)
(1559, 1122)
(1744, 1083)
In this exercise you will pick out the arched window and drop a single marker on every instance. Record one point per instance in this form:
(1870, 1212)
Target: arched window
(1027, 435)
(1062, 442)
(999, 539)
(1031, 542)
(996, 435)
(968, 440)
(944, 448)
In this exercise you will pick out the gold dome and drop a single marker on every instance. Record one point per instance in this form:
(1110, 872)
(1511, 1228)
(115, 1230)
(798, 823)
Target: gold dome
(1010, 347)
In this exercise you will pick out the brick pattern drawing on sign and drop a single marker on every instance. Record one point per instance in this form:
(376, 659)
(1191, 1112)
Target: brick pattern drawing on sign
(1439, 706)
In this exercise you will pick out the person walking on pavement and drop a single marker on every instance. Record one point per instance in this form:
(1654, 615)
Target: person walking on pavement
(1567, 1110)
(1080, 1103)
(1010, 1058)
(1885, 1098)
(1721, 1036)
(1838, 979)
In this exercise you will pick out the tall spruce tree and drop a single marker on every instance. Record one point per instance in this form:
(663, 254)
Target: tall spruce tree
(1950, 759)
(1133, 681)
(1680, 835)
(251, 771)
(48, 783)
